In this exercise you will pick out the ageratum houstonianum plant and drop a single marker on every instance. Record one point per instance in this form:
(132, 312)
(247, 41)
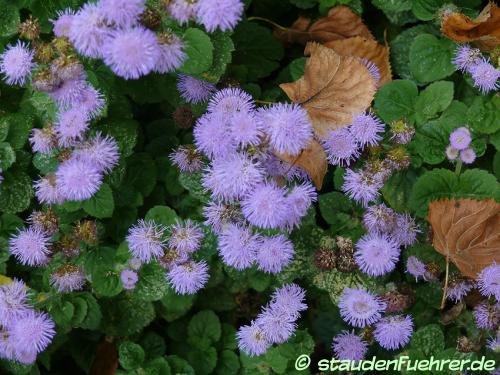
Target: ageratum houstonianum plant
(166, 208)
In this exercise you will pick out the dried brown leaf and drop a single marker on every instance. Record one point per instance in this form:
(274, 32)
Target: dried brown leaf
(484, 30)
(105, 360)
(340, 23)
(332, 89)
(312, 160)
(365, 48)
(468, 231)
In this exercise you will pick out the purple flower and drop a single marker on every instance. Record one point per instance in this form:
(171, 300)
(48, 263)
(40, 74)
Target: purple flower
(485, 76)
(88, 31)
(33, 332)
(78, 180)
(487, 316)
(181, 10)
(276, 167)
(489, 281)
(187, 159)
(229, 101)
(266, 206)
(238, 246)
(172, 53)
(63, 23)
(361, 186)
(16, 63)
(135, 264)
(13, 302)
(349, 346)
(30, 246)
(46, 190)
(360, 308)
(219, 215)
(468, 156)
(132, 53)
(71, 126)
(189, 277)
(212, 136)
(146, 240)
(373, 69)
(341, 147)
(122, 13)
(494, 343)
(68, 278)
(393, 332)
(101, 151)
(299, 199)
(376, 254)
(232, 177)
(416, 268)
(246, 129)
(466, 57)
(252, 340)
(379, 218)
(276, 327)
(43, 140)
(287, 127)
(460, 138)
(274, 253)
(451, 153)
(70, 93)
(222, 14)
(289, 300)
(91, 102)
(194, 90)
(185, 237)
(458, 289)
(405, 230)
(129, 278)
(366, 128)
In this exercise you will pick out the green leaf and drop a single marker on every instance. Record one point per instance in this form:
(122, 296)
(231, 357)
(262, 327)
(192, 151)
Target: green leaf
(297, 68)
(141, 173)
(331, 203)
(101, 205)
(496, 165)
(397, 189)
(20, 125)
(431, 58)
(426, 10)
(397, 11)
(203, 360)
(124, 131)
(7, 155)
(126, 315)
(179, 365)
(228, 363)
(443, 183)
(257, 49)
(173, 305)
(433, 100)
(199, 50)
(15, 192)
(162, 215)
(81, 309)
(396, 100)
(46, 163)
(483, 115)
(4, 127)
(94, 315)
(157, 366)
(223, 49)
(9, 19)
(152, 285)
(106, 282)
(130, 355)
(205, 324)
(428, 339)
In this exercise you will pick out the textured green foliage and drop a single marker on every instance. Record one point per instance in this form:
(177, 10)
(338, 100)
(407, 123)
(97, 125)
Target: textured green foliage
(131, 355)
(430, 58)
(434, 99)
(199, 50)
(396, 100)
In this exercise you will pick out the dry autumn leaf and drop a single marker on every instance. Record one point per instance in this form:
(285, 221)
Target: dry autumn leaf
(313, 160)
(332, 89)
(105, 360)
(368, 49)
(340, 23)
(467, 231)
(484, 30)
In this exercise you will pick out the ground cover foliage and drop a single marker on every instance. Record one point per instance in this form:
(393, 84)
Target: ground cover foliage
(218, 187)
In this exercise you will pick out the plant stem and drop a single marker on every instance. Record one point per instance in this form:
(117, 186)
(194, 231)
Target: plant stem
(458, 167)
(445, 289)
(263, 102)
(268, 21)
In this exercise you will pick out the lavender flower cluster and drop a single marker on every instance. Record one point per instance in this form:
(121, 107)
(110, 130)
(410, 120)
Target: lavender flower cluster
(378, 251)
(361, 309)
(276, 323)
(484, 75)
(460, 142)
(173, 247)
(24, 332)
(252, 190)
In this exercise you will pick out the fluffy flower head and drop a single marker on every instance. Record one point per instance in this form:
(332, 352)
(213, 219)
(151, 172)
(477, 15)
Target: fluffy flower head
(185, 237)
(189, 277)
(360, 308)
(194, 90)
(30, 246)
(460, 138)
(341, 147)
(238, 246)
(366, 128)
(266, 206)
(68, 278)
(393, 332)
(221, 14)
(349, 346)
(16, 63)
(252, 340)
(78, 179)
(146, 240)
(376, 254)
(274, 253)
(121, 13)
